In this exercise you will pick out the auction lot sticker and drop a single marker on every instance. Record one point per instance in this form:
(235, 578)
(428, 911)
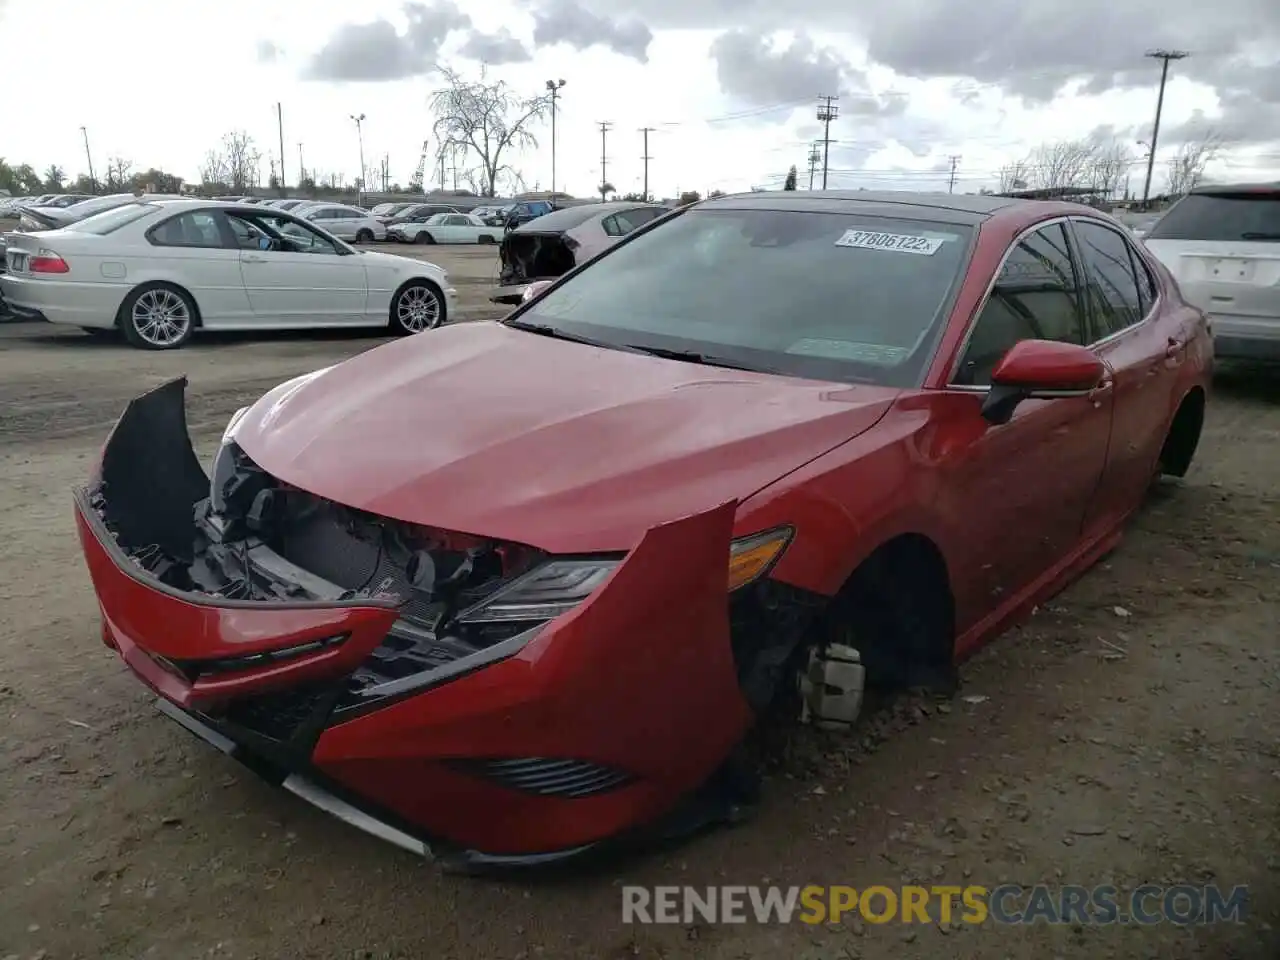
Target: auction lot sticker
(896, 242)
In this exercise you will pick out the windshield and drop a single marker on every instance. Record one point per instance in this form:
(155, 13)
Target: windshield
(103, 223)
(1248, 216)
(829, 296)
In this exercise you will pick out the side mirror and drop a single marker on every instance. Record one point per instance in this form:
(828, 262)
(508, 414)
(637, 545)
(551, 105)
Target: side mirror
(1040, 370)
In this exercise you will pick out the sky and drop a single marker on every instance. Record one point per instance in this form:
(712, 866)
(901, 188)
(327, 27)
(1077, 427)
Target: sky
(730, 87)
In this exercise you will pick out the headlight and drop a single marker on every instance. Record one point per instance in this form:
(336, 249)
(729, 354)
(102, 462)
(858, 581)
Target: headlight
(557, 586)
(543, 593)
(751, 557)
(229, 431)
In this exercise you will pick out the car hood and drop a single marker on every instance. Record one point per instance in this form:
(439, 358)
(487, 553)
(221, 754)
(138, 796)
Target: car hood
(377, 258)
(497, 432)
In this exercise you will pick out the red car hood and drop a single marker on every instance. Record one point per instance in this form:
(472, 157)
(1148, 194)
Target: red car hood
(497, 432)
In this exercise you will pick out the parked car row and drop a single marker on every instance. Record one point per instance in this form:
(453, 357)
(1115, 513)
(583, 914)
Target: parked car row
(513, 590)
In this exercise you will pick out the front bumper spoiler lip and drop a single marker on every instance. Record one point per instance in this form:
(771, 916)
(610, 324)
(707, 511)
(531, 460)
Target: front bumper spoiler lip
(317, 795)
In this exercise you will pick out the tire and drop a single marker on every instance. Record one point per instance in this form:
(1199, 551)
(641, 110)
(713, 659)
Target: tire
(424, 239)
(417, 306)
(364, 236)
(487, 239)
(158, 316)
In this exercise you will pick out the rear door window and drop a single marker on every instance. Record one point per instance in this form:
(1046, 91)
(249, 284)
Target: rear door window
(1108, 262)
(1250, 216)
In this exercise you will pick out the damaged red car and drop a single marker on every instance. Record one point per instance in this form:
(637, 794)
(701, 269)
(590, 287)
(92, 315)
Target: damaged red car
(508, 590)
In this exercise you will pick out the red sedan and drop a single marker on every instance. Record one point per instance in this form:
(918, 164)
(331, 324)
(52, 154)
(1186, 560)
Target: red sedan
(506, 590)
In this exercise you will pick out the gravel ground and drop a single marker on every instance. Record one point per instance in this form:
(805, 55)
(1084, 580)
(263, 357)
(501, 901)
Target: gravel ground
(1128, 735)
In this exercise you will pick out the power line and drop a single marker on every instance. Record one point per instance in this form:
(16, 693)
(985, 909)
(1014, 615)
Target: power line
(645, 131)
(826, 113)
(605, 127)
(951, 184)
(1164, 56)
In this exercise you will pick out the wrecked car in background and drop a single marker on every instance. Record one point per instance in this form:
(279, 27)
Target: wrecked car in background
(775, 443)
(556, 242)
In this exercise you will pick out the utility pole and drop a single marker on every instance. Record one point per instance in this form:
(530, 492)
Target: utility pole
(605, 127)
(302, 167)
(827, 112)
(555, 87)
(88, 155)
(360, 136)
(280, 130)
(645, 131)
(1164, 56)
(814, 157)
(443, 146)
(951, 184)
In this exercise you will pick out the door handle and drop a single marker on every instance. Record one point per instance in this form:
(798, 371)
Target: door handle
(252, 258)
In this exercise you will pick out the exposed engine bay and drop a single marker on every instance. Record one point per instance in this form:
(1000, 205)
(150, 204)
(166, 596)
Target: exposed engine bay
(535, 256)
(249, 537)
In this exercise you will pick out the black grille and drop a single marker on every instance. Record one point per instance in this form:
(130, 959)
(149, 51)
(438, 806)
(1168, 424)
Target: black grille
(548, 777)
(280, 716)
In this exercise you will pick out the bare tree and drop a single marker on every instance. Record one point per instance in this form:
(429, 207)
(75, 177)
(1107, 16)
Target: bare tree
(119, 172)
(1064, 163)
(1109, 167)
(1187, 165)
(234, 163)
(1014, 176)
(488, 119)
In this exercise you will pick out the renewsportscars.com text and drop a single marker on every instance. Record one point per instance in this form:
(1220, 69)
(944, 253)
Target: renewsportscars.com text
(1007, 904)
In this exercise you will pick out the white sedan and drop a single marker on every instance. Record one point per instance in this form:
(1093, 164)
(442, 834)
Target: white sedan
(446, 228)
(157, 271)
(348, 223)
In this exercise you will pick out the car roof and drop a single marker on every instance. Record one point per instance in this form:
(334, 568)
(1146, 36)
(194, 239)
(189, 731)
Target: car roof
(567, 218)
(1210, 189)
(946, 207)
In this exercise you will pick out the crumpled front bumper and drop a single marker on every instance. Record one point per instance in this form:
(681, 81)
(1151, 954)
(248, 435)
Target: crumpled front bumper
(638, 682)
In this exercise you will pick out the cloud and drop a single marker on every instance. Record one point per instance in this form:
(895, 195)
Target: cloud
(1031, 51)
(752, 68)
(495, 49)
(268, 52)
(568, 22)
(378, 51)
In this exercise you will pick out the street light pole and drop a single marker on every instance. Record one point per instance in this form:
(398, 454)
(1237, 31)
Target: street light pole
(88, 155)
(554, 86)
(360, 136)
(1165, 56)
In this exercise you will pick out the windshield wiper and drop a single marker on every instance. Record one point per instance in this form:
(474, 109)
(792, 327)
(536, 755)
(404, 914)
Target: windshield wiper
(1260, 236)
(546, 330)
(706, 359)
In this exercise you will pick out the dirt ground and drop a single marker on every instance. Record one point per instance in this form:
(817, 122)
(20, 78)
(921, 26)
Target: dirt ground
(1129, 736)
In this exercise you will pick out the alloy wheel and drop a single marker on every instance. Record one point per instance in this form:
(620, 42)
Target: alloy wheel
(418, 309)
(161, 317)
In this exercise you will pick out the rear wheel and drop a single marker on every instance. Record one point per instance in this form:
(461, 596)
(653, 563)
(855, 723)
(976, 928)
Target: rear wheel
(423, 238)
(158, 316)
(364, 236)
(487, 238)
(416, 307)
(1184, 437)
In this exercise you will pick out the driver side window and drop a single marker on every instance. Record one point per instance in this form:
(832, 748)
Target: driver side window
(1035, 297)
(297, 237)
